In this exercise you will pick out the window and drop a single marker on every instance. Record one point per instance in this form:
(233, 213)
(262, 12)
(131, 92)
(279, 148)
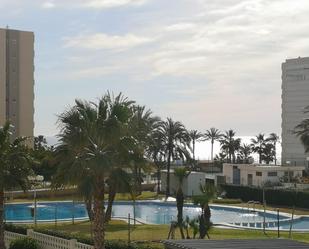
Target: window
(235, 167)
(272, 173)
(258, 173)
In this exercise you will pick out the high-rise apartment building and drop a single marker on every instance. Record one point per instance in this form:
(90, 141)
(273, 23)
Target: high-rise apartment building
(295, 96)
(17, 80)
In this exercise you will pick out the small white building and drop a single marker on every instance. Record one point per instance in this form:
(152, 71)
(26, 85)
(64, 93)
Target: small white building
(190, 186)
(259, 175)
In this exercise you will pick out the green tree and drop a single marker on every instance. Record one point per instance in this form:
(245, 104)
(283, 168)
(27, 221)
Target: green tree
(181, 173)
(194, 137)
(302, 131)
(230, 145)
(258, 145)
(15, 168)
(274, 139)
(213, 135)
(244, 154)
(208, 193)
(175, 138)
(97, 137)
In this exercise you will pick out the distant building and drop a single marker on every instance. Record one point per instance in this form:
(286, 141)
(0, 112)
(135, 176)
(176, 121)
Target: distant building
(17, 81)
(209, 166)
(190, 186)
(295, 96)
(260, 175)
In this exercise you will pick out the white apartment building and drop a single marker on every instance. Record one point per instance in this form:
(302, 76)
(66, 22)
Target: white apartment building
(259, 175)
(295, 96)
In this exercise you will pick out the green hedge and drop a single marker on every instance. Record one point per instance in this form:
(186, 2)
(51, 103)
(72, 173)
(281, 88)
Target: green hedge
(273, 196)
(16, 229)
(24, 243)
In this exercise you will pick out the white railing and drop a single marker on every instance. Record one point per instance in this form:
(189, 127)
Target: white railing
(46, 241)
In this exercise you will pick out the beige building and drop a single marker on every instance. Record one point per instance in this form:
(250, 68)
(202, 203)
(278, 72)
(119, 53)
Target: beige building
(17, 80)
(295, 96)
(260, 175)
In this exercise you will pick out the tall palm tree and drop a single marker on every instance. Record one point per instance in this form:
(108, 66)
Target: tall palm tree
(180, 173)
(302, 131)
(213, 135)
(258, 145)
(230, 144)
(156, 152)
(97, 137)
(274, 138)
(194, 137)
(176, 144)
(14, 168)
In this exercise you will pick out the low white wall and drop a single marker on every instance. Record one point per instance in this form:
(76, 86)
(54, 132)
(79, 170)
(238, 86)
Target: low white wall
(46, 241)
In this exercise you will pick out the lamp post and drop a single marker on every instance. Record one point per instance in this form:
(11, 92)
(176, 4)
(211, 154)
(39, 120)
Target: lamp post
(35, 180)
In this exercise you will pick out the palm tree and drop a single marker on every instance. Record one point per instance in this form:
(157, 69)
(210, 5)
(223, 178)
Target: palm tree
(118, 181)
(96, 135)
(156, 153)
(176, 143)
(208, 193)
(180, 173)
(302, 131)
(258, 145)
(213, 135)
(245, 152)
(14, 168)
(230, 144)
(274, 138)
(194, 137)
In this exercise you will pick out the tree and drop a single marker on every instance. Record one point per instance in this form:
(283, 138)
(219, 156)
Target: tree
(118, 181)
(302, 131)
(96, 138)
(274, 138)
(244, 153)
(15, 168)
(175, 143)
(181, 173)
(203, 200)
(213, 135)
(268, 154)
(194, 137)
(156, 152)
(230, 145)
(258, 145)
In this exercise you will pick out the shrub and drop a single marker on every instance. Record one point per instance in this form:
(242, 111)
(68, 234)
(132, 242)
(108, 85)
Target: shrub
(272, 196)
(16, 229)
(227, 201)
(24, 243)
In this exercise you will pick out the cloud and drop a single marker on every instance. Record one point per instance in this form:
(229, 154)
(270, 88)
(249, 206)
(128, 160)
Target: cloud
(104, 41)
(48, 5)
(101, 4)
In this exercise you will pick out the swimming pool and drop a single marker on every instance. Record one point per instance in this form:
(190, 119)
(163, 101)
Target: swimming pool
(151, 212)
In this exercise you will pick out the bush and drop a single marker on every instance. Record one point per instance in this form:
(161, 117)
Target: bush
(227, 201)
(272, 196)
(24, 243)
(15, 229)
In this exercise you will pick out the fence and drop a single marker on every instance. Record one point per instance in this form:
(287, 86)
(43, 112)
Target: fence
(46, 241)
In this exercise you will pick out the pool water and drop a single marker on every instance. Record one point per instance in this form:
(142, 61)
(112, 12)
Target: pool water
(153, 212)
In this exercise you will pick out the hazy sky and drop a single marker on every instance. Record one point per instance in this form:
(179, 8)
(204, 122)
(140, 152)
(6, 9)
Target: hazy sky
(203, 62)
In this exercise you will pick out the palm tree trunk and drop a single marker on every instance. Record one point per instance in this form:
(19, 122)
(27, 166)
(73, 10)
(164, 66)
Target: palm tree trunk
(159, 179)
(88, 205)
(2, 245)
(212, 150)
(111, 198)
(99, 216)
(180, 200)
(193, 148)
(167, 193)
(275, 154)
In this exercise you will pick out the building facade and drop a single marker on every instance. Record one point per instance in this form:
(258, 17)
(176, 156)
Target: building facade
(17, 81)
(295, 97)
(260, 175)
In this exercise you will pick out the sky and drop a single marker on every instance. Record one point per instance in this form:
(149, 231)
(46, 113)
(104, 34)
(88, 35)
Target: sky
(206, 63)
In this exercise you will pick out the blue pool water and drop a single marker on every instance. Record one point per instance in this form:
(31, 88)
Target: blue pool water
(153, 212)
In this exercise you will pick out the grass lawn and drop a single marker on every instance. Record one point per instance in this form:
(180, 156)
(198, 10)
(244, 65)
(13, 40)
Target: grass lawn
(119, 230)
